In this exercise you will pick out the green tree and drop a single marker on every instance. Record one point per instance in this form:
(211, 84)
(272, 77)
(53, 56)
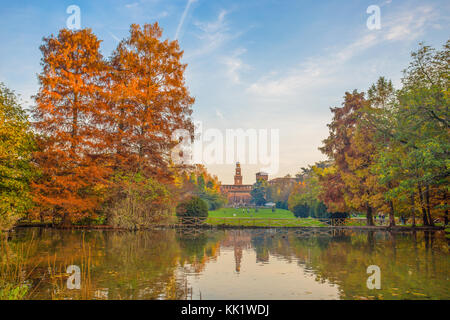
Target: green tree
(413, 130)
(259, 192)
(16, 171)
(320, 210)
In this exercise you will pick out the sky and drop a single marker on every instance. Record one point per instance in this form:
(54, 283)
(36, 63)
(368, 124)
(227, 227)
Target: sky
(254, 64)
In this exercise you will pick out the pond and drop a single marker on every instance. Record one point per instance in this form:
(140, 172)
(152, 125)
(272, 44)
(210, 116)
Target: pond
(231, 264)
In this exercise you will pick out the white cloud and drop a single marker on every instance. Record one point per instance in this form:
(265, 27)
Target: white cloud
(410, 24)
(132, 5)
(235, 65)
(141, 8)
(404, 26)
(219, 114)
(212, 35)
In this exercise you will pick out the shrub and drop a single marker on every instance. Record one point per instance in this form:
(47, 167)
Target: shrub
(282, 205)
(214, 200)
(301, 211)
(138, 202)
(193, 207)
(339, 215)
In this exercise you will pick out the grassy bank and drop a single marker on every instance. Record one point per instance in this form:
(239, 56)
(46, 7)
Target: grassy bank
(264, 222)
(232, 217)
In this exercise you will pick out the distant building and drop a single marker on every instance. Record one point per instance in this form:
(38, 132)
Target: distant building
(283, 181)
(270, 204)
(262, 176)
(239, 194)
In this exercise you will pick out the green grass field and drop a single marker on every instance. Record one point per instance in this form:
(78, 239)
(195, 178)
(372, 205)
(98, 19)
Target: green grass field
(262, 218)
(262, 213)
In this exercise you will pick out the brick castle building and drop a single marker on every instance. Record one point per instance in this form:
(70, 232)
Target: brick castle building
(238, 194)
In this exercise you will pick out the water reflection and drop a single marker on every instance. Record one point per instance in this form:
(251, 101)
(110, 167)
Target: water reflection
(235, 264)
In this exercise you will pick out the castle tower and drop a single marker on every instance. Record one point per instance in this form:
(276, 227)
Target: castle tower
(238, 175)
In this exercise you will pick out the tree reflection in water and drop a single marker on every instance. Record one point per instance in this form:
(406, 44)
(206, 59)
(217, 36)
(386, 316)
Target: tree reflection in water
(160, 264)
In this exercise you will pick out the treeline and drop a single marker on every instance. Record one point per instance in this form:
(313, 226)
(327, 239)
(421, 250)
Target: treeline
(197, 182)
(98, 145)
(388, 149)
(299, 194)
(305, 199)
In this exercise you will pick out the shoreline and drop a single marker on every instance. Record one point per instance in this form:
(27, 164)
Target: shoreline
(218, 227)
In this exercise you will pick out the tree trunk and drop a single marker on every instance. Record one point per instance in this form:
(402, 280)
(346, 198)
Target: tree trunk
(422, 205)
(391, 214)
(446, 209)
(427, 198)
(413, 211)
(369, 216)
(66, 221)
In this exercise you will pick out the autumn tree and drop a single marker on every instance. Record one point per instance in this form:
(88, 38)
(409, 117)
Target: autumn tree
(16, 170)
(279, 191)
(197, 181)
(148, 100)
(67, 113)
(307, 193)
(349, 146)
(332, 191)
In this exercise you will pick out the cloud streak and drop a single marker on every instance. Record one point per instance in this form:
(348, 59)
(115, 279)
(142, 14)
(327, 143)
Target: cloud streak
(183, 17)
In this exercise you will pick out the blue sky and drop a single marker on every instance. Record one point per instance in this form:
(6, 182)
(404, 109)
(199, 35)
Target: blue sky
(260, 64)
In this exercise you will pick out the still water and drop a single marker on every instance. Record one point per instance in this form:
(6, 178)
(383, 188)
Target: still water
(232, 264)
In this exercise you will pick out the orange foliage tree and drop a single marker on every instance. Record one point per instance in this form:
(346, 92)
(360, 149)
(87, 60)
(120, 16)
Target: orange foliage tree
(67, 113)
(106, 124)
(148, 101)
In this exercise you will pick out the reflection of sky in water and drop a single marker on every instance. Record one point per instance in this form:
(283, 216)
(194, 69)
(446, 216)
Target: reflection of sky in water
(275, 279)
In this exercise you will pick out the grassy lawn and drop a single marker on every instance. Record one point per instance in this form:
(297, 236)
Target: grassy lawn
(262, 218)
(262, 213)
